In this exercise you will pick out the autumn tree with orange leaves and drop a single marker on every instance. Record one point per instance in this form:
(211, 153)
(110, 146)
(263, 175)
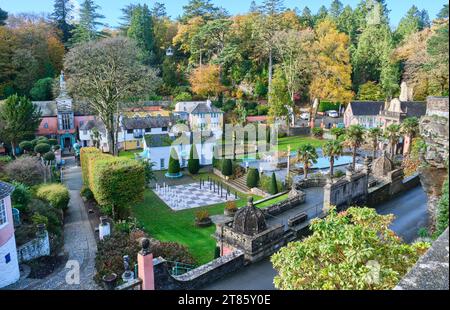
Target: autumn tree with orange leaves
(205, 81)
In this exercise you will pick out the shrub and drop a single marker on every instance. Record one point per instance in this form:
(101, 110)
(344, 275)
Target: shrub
(327, 106)
(21, 196)
(56, 194)
(442, 211)
(42, 148)
(231, 206)
(86, 154)
(184, 96)
(116, 183)
(39, 219)
(336, 131)
(56, 147)
(317, 132)
(273, 185)
(194, 161)
(266, 183)
(174, 162)
(86, 193)
(49, 156)
(26, 169)
(148, 171)
(53, 142)
(339, 173)
(54, 216)
(227, 167)
(252, 178)
(27, 146)
(201, 215)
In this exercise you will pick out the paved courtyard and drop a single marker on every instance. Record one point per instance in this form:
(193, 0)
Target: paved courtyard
(188, 196)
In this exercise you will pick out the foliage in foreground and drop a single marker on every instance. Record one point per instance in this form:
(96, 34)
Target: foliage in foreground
(354, 249)
(56, 194)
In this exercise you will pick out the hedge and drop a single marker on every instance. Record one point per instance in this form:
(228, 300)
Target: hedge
(273, 185)
(55, 194)
(85, 154)
(116, 183)
(174, 162)
(327, 106)
(252, 178)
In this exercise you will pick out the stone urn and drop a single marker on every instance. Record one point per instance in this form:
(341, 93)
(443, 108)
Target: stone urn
(206, 222)
(109, 281)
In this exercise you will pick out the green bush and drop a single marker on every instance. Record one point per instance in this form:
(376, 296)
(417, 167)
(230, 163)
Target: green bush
(26, 146)
(442, 214)
(21, 196)
(86, 154)
(52, 141)
(273, 185)
(327, 106)
(227, 167)
(184, 96)
(86, 193)
(252, 178)
(338, 132)
(194, 161)
(174, 162)
(42, 148)
(117, 183)
(56, 194)
(37, 219)
(317, 132)
(54, 216)
(42, 90)
(49, 156)
(266, 183)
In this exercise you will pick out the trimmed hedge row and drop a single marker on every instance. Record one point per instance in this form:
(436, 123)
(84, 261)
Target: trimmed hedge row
(57, 195)
(327, 106)
(116, 183)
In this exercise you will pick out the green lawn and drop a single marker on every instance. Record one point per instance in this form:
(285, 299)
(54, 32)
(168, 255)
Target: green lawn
(273, 201)
(166, 225)
(129, 154)
(296, 141)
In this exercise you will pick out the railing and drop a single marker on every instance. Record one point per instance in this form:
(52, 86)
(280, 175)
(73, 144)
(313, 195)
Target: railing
(135, 284)
(178, 268)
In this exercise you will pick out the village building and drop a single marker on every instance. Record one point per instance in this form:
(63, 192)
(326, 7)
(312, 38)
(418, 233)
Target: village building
(201, 116)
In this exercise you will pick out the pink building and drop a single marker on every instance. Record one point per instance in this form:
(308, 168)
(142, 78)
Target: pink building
(9, 265)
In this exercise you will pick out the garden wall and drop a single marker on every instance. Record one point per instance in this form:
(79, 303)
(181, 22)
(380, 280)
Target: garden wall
(199, 277)
(38, 247)
(388, 190)
(299, 131)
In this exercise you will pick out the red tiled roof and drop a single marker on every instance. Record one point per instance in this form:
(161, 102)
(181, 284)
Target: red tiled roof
(259, 118)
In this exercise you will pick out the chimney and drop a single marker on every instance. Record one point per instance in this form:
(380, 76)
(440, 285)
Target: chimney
(208, 103)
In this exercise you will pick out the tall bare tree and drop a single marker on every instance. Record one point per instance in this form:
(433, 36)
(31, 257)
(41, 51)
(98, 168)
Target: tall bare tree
(107, 75)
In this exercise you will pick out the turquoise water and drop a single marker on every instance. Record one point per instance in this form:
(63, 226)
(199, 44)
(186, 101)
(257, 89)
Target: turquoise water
(324, 162)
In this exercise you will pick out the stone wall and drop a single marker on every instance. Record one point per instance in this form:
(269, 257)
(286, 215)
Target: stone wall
(285, 205)
(199, 277)
(347, 191)
(313, 182)
(391, 187)
(297, 131)
(38, 247)
(434, 129)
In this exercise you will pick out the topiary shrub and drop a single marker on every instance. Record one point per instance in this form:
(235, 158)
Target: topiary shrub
(174, 162)
(56, 194)
(317, 132)
(253, 178)
(42, 148)
(49, 156)
(273, 185)
(27, 146)
(227, 167)
(194, 161)
(52, 142)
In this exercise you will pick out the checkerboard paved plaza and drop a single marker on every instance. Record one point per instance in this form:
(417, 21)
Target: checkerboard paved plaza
(187, 196)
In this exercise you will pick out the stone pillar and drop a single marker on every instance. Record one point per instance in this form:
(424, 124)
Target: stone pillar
(104, 229)
(145, 266)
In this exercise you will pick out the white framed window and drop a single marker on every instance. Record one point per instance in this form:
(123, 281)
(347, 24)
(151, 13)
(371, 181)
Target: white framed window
(3, 215)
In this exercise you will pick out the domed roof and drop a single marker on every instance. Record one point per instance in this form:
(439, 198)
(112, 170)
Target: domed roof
(249, 220)
(382, 166)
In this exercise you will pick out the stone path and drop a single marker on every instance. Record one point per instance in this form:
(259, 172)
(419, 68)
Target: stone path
(79, 242)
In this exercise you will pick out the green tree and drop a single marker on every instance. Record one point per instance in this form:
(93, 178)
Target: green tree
(279, 98)
(410, 128)
(321, 14)
(346, 244)
(409, 24)
(354, 138)
(306, 18)
(332, 149)
(42, 90)
(27, 146)
(202, 8)
(336, 9)
(370, 91)
(141, 30)
(42, 148)
(86, 30)
(443, 13)
(3, 17)
(193, 161)
(437, 49)
(393, 134)
(374, 135)
(273, 185)
(19, 118)
(62, 16)
(307, 155)
(174, 162)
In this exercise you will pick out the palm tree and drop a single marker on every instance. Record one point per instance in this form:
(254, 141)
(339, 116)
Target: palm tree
(410, 127)
(354, 138)
(392, 134)
(307, 155)
(332, 149)
(374, 134)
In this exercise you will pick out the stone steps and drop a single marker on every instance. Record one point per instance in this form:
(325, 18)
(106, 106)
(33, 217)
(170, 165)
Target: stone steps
(240, 184)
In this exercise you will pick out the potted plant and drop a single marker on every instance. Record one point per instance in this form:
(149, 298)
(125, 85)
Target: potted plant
(109, 281)
(202, 219)
(230, 208)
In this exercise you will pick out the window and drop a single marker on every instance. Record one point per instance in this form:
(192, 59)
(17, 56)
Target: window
(46, 125)
(164, 129)
(148, 130)
(161, 163)
(66, 122)
(81, 123)
(3, 215)
(130, 131)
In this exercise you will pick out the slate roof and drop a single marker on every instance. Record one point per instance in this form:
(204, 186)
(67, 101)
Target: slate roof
(360, 108)
(157, 140)
(94, 123)
(204, 108)
(5, 189)
(146, 122)
(414, 108)
(48, 108)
